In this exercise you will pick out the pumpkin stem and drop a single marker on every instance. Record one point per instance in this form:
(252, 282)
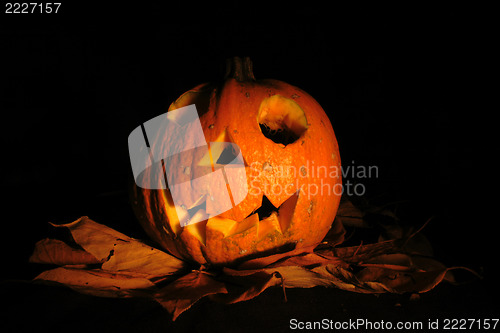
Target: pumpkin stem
(239, 69)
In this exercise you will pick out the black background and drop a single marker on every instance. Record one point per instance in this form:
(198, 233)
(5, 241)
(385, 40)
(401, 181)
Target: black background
(397, 84)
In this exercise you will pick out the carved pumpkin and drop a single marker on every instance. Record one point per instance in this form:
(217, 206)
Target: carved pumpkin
(292, 168)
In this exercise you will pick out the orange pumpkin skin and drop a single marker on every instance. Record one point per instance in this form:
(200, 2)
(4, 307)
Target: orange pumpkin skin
(302, 179)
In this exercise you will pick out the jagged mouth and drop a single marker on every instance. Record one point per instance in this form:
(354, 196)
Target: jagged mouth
(265, 210)
(265, 220)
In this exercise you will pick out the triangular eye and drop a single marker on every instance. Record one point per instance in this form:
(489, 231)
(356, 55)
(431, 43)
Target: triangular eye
(223, 151)
(228, 155)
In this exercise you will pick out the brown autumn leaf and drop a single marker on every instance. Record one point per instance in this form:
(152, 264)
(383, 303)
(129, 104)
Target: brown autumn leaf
(401, 281)
(307, 260)
(57, 252)
(362, 252)
(119, 252)
(357, 215)
(350, 215)
(300, 277)
(98, 282)
(415, 242)
(181, 294)
(127, 267)
(245, 285)
(336, 234)
(393, 272)
(95, 238)
(409, 264)
(344, 279)
(134, 256)
(395, 261)
(271, 259)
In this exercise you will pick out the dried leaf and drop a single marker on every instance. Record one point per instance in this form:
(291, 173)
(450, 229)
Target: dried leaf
(306, 260)
(394, 261)
(134, 256)
(180, 295)
(98, 282)
(335, 235)
(242, 287)
(362, 252)
(401, 281)
(300, 277)
(415, 242)
(419, 244)
(346, 280)
(247, 284)
(256, 281)
(338, 276)
(95, 238)
(129, 267)
(119, 252)
(350, 215)
(266, 261)
(54, 251)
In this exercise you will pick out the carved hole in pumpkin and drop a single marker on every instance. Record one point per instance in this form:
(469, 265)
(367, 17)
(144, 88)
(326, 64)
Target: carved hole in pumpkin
(281, 119)
(196, 207)
(265, 209)
(284, 212)
(228, 155)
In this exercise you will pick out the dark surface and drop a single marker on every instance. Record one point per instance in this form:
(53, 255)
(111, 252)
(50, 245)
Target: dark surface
(61, 310)
(400, 88)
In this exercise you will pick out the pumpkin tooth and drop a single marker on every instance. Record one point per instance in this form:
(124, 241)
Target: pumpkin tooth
(286, 211)
(269, 226)
(228, 227)
(240, 227)
(206, 160)
(193, 238)
(222, 144)
(176, 216)
(198, 230)
(225, 237)
(221, 224)
(182, 215)
(200, 216)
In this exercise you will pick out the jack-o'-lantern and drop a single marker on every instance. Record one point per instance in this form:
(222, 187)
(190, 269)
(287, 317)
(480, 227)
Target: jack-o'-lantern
(292, 163)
